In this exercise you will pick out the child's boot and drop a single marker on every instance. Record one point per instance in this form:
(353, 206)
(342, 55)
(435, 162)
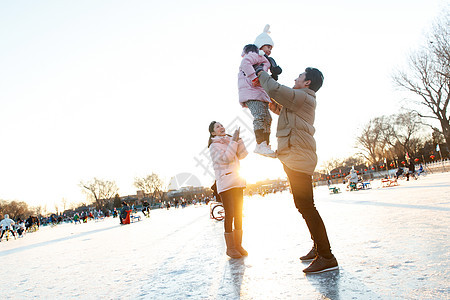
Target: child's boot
(261, 144)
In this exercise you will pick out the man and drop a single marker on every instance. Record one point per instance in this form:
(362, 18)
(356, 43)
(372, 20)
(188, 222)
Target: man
(124, 212)
(297, 152)
(146, 209)
(412, 170)
(352, 179)
(7, 224)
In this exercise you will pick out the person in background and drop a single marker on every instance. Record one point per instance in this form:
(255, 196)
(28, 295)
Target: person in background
(7, 224)
(412, 170)
(124, 211)
(146, 208)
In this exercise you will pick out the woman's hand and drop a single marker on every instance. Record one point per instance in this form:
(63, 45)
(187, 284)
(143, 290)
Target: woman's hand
(235, 137)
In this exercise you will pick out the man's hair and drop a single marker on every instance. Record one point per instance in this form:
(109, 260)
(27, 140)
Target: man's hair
(316, 78)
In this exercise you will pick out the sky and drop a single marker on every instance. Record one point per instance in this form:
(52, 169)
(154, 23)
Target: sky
(122, 89)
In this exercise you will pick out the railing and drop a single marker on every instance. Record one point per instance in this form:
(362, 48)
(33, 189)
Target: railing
(438, 166)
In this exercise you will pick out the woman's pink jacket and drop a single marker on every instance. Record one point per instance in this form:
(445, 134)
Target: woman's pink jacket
(246, 74)
(225, 155)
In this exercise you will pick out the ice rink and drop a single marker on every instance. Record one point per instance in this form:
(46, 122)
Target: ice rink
(391, 243)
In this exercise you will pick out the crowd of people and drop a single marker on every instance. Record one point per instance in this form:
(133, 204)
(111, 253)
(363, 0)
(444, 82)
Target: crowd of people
(355, 181)
(408, 171)
(18, 227)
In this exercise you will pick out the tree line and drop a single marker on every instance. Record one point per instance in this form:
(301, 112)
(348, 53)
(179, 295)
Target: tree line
(17, 209)
(426, 83)
(104, 193)
(396, 136)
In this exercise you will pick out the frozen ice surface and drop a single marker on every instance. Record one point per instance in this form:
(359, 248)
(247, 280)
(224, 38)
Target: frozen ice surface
(391, 243)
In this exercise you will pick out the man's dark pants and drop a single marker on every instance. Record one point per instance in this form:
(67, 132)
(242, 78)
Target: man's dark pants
(302, 190)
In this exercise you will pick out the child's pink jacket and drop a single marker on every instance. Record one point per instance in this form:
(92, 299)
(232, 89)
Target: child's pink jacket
(246, 74)
(225, 155)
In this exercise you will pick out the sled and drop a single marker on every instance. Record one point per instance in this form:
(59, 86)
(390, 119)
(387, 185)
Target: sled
(387, 182)
(334, 190)
(127, 219)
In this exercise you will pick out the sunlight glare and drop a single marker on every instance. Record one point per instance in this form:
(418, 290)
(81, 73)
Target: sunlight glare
(256, 168)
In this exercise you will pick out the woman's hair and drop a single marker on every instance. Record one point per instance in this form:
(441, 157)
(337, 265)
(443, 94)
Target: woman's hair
(211, 130)
(250, 48)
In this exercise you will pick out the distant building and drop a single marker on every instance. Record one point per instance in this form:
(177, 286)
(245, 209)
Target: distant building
(267, 186)
(189, 193)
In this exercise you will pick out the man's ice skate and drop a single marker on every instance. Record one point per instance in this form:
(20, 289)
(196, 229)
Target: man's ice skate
(265, 150)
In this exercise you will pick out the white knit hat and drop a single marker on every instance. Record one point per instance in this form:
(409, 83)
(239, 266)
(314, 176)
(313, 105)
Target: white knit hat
(264, 38)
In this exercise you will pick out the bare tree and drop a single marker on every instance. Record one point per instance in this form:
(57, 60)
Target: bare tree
(56, 208)
(440, 42)
(372, 142)
(100, 190)
(403, 133)
(331, 164)
(64, 203)
(150, 184)
(39, 210)
(352, 161)
(428, 77)
(15, 209)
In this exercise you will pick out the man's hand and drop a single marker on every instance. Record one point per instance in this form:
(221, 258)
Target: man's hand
(275, 107)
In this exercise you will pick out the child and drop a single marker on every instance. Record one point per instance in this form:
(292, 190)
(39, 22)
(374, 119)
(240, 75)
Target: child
(251, 94)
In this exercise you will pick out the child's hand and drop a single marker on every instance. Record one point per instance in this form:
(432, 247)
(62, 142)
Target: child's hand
(275, 70)
(255, 82)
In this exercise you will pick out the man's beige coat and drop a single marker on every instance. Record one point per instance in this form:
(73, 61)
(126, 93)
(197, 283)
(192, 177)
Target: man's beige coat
(295, 130)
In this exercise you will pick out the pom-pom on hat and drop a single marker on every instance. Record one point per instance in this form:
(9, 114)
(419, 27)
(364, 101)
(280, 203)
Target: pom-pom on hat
(264, 38)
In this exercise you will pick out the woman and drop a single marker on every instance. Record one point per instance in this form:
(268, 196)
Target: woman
(226, 151)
